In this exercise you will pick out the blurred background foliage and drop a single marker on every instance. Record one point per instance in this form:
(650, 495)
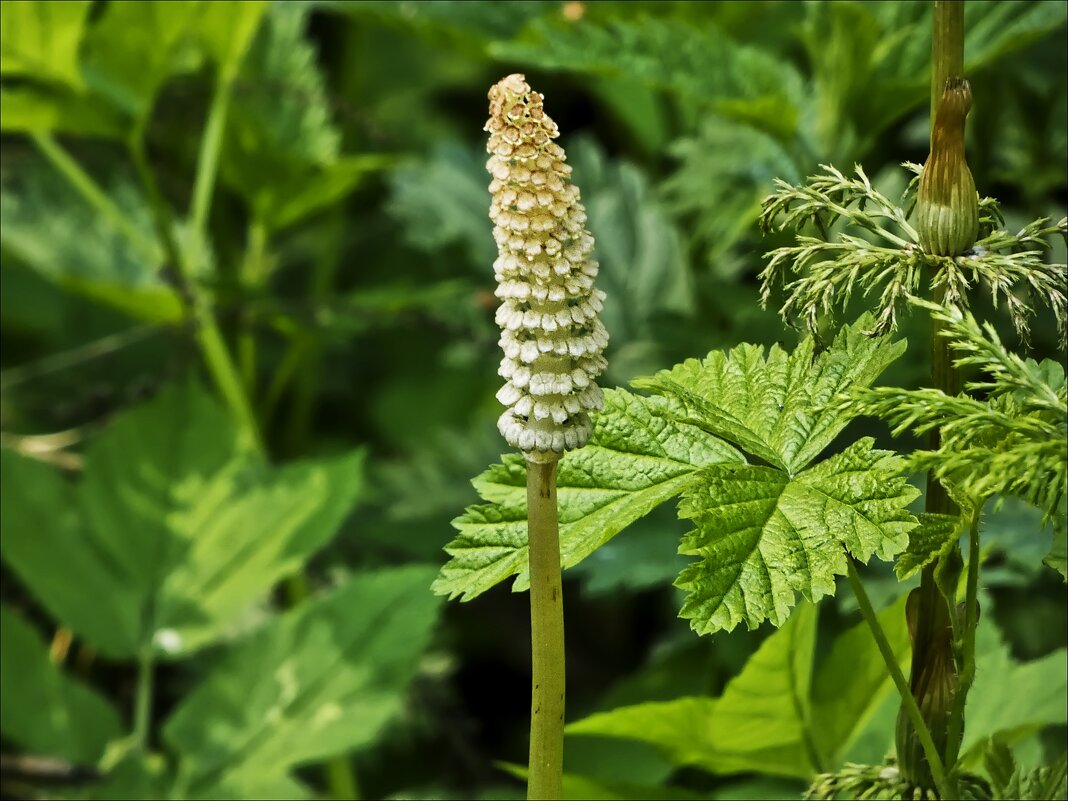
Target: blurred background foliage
(301, 186)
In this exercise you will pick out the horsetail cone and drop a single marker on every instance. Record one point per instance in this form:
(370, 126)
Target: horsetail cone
(947, 206)
(551, 335)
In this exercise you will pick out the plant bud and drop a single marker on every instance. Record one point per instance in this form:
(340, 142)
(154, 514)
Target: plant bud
(947, 206)
(551, 334)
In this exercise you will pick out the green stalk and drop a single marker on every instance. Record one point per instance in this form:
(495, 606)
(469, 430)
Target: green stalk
(78, 178)
(934, 680)
(545, 778)
(253, 271)
(209, 337)
(947, 48)
(143, 699)
(966, 644)
(908, 701)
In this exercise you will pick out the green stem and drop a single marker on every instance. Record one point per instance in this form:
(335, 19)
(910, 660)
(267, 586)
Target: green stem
(209, 337)
(208, 158)
(143, 699)
(253, 272)
(966, 647)
(95, 196)
(934, 629)
(545, 778)
(947, 48)
(907, 699)
(308, 376)
(161, 214)
(341, 779)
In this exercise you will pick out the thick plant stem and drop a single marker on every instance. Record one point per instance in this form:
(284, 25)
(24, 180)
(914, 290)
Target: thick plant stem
(947, 48)
(908, 701)
(934, 680)
(546, 635)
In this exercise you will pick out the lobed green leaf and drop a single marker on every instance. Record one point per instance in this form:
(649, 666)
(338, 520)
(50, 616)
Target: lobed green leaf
(635, 460)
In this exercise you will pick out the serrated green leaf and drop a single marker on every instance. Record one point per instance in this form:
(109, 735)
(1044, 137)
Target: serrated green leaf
(635, 460)
(323, 679)
(174, 530)
(699, 63)
(441, 201)
(1002, 769)
(281, 138)
(758, 724)
(776, 408)
(934, 534)
(722, 192)
(44, 710)
(57, 234)
(40, 40)
(762, 536)
(640, 251)
(136, 46)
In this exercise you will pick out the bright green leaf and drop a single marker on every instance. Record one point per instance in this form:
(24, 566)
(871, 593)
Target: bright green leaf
(323, 679)
(45, 711)
(762, 536)
(54, 231)
(776, 408)
(227, 29)
(1011, 699)
(930, 538)
(282, 145)
(136, 45)
(758, 724)
(36, 110)
(281, 203)
(174, 530)
(852, 683)
(635, 460)
(40, 40)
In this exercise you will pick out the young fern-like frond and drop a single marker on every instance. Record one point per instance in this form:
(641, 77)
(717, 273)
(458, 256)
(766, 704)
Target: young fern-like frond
(864, 243)
(1013, 442)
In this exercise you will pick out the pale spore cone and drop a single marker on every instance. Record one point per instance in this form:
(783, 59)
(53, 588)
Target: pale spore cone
(551, 334)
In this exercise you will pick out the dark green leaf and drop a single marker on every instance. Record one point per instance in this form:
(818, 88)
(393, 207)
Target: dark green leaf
(174, 531)
(323, 679)
(45, 711)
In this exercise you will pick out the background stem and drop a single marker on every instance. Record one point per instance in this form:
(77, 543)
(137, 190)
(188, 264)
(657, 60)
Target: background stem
(545, 778)
(143, 700)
